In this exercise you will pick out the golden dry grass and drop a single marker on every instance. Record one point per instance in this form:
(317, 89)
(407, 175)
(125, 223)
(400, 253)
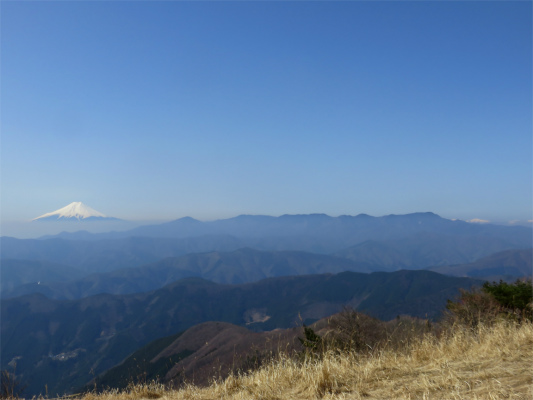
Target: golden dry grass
(489, 363)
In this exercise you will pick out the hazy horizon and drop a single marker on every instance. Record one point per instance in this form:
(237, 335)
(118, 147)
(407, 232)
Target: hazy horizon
(31, 229)
(161, 110)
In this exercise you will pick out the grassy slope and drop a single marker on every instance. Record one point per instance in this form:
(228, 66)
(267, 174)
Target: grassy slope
(491, 363)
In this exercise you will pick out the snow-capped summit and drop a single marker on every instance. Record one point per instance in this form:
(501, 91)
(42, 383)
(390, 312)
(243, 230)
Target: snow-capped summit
(74, 211)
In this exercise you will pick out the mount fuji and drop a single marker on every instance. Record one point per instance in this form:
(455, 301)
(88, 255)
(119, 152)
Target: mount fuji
(76, 211)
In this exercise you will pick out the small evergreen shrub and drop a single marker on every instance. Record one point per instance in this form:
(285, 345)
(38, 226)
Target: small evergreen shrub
(312, 343)
(516, 298)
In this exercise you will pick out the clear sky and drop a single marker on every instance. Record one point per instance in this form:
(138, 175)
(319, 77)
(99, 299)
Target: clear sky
(159, 110)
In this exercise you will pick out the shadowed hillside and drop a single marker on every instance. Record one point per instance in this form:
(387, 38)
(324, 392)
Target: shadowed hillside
(15, 273)
(424, 250)
(108, 255)
(506, 265)
(199, 353)
(241, 266)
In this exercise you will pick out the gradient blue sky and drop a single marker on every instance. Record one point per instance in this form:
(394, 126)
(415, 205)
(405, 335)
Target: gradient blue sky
(159, 110)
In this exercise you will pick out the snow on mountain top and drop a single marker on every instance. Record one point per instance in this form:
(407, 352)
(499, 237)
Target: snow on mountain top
(76, 210)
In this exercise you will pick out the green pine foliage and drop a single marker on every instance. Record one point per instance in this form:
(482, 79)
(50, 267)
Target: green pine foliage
(516, 296)
(311, 341)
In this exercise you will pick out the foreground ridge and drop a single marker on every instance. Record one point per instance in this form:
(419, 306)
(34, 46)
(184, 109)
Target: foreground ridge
(483, 363)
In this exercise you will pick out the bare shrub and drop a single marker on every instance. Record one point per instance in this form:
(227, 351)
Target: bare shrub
(473, 307)
(355, 331)
(10, 387)
(405, 330)
(351, 331)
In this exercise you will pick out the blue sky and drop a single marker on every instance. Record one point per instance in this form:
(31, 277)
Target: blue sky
(159, 110)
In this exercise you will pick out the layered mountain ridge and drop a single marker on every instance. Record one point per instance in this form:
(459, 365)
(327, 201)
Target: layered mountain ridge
(87, 301)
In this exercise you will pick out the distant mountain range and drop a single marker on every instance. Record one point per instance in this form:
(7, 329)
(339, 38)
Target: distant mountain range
(507, 265)
(60, 343)
(423, 250)
(417, 240)
(240, 266)
(320, 233)
(109, 255)
(17, 273)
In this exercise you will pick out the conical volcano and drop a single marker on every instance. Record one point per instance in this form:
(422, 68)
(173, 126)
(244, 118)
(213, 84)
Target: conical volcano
(74, 211)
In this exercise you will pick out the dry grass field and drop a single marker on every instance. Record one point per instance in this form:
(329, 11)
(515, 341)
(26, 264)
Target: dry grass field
(482, 363)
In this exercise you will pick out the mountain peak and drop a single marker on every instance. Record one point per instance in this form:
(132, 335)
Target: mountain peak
(74, 211)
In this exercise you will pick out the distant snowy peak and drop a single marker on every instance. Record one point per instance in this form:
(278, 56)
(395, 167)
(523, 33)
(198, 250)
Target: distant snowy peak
(74, 211)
